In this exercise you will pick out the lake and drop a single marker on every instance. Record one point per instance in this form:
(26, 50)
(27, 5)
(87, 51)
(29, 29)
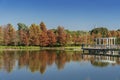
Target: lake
(57, 65)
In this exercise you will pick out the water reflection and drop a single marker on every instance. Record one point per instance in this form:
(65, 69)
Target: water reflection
(40, 60)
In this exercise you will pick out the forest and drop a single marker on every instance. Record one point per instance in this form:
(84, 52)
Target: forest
(39, 35)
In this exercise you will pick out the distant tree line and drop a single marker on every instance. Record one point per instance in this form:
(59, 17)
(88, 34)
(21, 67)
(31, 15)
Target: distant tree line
(39, 35)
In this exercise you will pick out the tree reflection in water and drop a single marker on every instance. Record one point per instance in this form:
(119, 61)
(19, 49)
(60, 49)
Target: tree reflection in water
(100, 64)
(39, 60)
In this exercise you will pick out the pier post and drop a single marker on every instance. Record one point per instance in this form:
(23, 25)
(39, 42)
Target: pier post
(114, 41)
(99, 42)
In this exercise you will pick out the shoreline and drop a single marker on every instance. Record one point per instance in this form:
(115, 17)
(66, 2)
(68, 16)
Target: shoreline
(13, 48)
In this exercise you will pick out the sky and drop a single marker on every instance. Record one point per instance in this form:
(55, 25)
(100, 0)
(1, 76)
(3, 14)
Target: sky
(71, 14)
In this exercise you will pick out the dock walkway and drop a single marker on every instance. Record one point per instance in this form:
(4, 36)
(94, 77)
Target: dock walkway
(97, 49)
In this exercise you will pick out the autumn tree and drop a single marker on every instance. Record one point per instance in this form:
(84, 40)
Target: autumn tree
(92, 38)
(61, 38)
(113, 33)
(74, 38)
(43, 27)
(1, 35)
(109, 34)
(44, 40)
(52, 37)
(118, 36)
(68, 39)
(23, 34)
(77, 39)
(9, 35)
(34, 34)
(118, 33)
(89, 39)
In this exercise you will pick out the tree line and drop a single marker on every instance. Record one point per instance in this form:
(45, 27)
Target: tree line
(39, 35)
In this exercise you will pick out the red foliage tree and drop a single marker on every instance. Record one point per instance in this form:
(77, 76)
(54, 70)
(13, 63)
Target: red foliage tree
(9, 35)
(61, 36)
(1, 35)
(44, 40)
(24, 37)
(52, 37)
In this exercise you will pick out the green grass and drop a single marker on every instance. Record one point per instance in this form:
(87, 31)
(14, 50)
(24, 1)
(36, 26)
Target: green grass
(19, 48)
(71, 48)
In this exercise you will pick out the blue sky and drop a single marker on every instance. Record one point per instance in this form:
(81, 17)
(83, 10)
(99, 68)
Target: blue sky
(71, 14)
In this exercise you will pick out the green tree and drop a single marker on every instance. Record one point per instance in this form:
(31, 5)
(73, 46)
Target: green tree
(118, 40)
(118, 30)
(101, 30)
(22, 26)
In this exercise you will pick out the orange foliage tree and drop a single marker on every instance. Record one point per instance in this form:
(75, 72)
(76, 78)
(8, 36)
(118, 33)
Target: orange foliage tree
(9, 35)
(44, 40)
(52, 37)
(61, 38)
(34, 34)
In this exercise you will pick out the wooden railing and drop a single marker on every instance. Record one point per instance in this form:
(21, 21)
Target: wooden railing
(102, 46)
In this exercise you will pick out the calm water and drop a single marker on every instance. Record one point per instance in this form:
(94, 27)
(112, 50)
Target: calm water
(57, 65)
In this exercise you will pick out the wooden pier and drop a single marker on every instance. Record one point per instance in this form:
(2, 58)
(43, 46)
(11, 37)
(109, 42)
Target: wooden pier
(114, 50)
(103, 46)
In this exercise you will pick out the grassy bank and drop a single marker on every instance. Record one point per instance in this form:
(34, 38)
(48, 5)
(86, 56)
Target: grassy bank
(74, 48)
(19, 48)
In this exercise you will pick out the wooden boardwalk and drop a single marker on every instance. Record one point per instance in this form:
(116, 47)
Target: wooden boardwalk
(103, 45)
(96, 49)
(100, 49)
